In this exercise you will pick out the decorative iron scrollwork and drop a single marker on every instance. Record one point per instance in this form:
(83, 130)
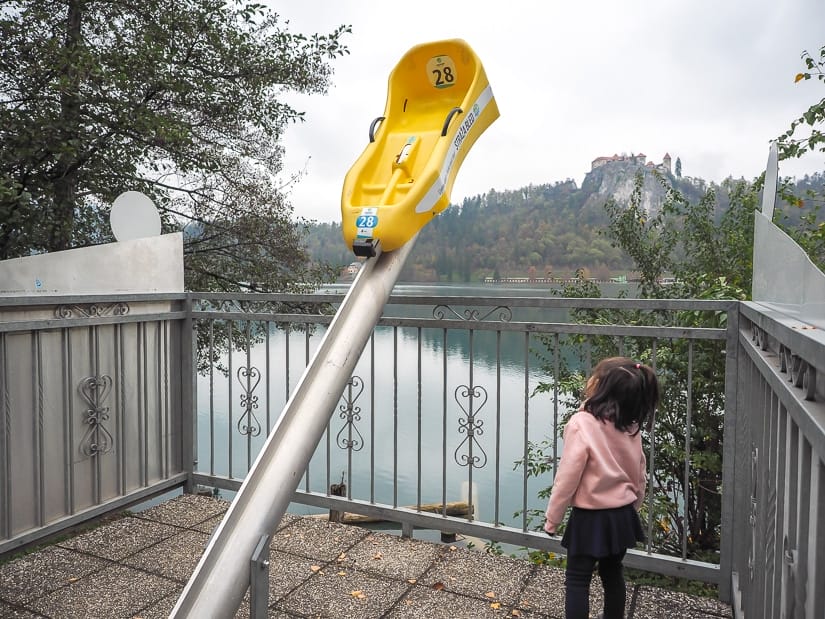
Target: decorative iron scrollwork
(790, 566)
(505, 314)
(249, 377)
(348, 436)
(92, 310)
(97, 439)
(264, 306)
(770, 528)
(753, 516)
(471, 425)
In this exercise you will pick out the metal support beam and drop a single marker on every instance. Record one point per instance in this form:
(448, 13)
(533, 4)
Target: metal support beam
(221, 578)
(259, 580)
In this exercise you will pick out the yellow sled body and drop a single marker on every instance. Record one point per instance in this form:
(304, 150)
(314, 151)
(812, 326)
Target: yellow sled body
(438, 102)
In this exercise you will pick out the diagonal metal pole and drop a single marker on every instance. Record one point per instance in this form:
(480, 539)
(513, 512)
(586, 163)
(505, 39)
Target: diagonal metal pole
(221, 578)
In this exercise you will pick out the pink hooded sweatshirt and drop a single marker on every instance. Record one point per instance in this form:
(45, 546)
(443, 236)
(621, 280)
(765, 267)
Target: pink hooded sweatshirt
(601, 468)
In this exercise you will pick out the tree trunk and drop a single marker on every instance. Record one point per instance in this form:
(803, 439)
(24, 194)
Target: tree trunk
(64, 174)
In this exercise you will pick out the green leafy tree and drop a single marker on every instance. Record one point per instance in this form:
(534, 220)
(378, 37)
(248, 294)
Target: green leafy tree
(178, 100)
(646, 237)
(709, 253)
(678, 167)
(806, 135)
(801, 214)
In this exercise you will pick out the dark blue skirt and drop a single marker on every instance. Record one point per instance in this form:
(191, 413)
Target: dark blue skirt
(602, 532)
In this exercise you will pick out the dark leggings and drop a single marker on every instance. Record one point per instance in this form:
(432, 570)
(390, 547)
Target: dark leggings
(578, 574)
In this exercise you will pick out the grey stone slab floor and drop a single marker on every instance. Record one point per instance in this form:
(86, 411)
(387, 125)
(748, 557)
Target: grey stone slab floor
(136, 566)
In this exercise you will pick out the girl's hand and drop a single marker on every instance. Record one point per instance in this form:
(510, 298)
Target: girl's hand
(549, 530)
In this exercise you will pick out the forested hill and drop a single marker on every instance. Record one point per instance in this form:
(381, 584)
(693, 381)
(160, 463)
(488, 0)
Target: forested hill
(538, 230)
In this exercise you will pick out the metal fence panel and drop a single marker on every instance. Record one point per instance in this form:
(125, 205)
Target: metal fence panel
(780, 555)
(91, 411)
(398, 450)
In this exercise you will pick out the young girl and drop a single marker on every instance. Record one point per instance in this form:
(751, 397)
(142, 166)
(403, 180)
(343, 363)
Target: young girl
(602, 475)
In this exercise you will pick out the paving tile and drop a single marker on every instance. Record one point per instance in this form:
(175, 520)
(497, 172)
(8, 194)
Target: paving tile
(121, 538)
(393, 556)
(318, 539)
(115, 592)
(317, 569)
(289, 519)
(186, 510)
(274, 613)
(343, 593)
(208, 526)
(655, 603)
(36, 574)
(287, 571)
(11, 612)
(534, 614)
(161, 608)
(442, 604)
(174, 557)
(544, 591)
(478, 574)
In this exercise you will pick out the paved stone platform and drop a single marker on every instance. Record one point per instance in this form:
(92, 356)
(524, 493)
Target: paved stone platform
(137, 565)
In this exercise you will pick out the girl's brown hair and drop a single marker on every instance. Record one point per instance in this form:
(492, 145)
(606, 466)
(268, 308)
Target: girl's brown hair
(624, 392)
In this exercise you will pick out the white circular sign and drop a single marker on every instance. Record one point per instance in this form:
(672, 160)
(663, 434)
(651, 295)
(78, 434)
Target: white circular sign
(134, 216)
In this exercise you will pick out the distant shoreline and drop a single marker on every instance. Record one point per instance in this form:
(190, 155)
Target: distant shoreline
(554, 280)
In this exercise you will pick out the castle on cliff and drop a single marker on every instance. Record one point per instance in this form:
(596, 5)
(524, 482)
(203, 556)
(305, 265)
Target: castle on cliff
(638, 159)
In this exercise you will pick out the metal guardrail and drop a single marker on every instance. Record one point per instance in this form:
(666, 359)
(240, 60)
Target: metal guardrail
(91, 408)
(97, 394)
(385, 425)
(777, 543)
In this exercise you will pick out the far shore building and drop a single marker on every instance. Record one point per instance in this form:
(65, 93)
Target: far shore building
(638, 159)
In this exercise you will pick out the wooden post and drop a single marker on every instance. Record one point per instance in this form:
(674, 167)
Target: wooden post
(337, 490)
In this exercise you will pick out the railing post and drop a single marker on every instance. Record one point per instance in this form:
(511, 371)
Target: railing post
(729, 453)
(5, 460)
(188, 376)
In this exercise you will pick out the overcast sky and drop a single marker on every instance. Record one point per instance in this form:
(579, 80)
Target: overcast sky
(708, 81)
